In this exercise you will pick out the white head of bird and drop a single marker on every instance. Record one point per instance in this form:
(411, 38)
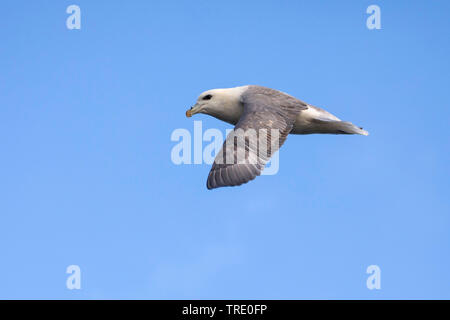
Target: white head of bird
(223, 104)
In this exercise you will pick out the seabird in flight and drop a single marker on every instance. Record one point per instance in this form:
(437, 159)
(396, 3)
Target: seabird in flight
(260, 109)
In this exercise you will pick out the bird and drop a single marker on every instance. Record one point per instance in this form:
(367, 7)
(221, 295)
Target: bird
(260, 109)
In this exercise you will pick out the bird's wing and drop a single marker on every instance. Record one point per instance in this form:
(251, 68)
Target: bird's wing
(267, 119)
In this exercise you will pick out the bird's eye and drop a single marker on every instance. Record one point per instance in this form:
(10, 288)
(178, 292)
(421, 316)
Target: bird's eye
(207, 97)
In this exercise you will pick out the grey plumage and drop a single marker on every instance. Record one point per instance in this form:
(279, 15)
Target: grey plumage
(264, 108)
(260, 110)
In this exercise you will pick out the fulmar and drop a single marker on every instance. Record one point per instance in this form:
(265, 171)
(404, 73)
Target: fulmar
(261, 110)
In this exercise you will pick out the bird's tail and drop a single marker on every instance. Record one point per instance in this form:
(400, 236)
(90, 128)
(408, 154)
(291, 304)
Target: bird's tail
(345, 127)
(339, 127)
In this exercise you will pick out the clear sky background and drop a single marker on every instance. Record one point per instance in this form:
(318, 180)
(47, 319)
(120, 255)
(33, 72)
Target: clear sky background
(87, 179)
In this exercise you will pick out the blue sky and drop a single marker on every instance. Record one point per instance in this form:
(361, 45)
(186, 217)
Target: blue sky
(86, 117)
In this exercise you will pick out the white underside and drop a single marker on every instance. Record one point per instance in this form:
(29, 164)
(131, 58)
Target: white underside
(304, 121)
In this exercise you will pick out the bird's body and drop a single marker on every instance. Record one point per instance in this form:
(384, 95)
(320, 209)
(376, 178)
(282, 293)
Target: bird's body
(256, 108)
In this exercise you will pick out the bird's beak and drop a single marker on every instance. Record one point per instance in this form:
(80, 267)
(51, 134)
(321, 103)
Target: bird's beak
(193, 110)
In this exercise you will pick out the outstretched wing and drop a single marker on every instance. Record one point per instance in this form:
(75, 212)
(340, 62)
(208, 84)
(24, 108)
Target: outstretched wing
(267, 119)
